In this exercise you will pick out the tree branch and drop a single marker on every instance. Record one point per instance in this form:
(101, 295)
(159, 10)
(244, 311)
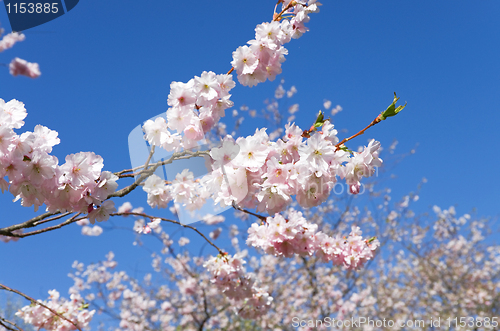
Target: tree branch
(39, 303)
(174, 222)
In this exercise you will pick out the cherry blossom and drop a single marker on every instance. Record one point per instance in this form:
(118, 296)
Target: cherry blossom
(10, 39)
(18, 66)
(273, 173)
(73, 309)
(24, 68)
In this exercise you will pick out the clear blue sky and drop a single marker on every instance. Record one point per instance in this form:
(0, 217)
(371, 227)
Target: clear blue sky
(107, 66)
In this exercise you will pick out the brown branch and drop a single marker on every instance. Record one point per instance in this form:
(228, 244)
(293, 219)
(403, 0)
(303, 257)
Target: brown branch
(143, 174)
(29, 224)
(3, 321)
(73, 219)
(51, 219)
(277, 17)
(235, 206)
(119, 173)
(41, 219)
(149, 157)
(375, 121)
(39, 303)
(174, 222)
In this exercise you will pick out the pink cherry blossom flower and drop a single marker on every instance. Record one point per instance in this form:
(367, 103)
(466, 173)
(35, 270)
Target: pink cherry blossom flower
(24, 68)
(194, 131)
(158, 192)
(157, 134)
(139, 226)
(254, 78)
(81, 169)
(182, 95)
(45, 138)
(12, 114)
(226, 84)
(317, 153)
(10, 39)
(102, 213)
(270, 31)
(41, 167)
(224, 154)
(93, 231)
(244, 61)
(183, 241)
(207, 88)
(107, 185)
(213, 219)
(72, 310)
(179, 118)
(126, 207)
(252, 153)
(154, 130)
(215, 234)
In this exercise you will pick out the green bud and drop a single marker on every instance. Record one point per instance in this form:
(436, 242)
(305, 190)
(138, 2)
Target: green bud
(345, 149)
(84, 306)
(392, 110)
(319, 119)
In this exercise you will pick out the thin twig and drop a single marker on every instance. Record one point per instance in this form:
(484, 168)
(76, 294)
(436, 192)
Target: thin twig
(375, 121)
(28, 224)
(119, 173)
(171, 221)
(235, 206)
(40, 304)
(144, 174)
(277, 17)
(73, 219)
(51, 219)
(41, 219)
(3, 321)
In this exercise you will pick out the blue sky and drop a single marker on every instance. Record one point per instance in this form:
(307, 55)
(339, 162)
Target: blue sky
(107, 66)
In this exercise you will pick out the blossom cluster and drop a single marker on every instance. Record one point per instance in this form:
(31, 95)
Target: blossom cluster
(262, 59)
(265, 175)
(294, 235)
(102, 276)
(181, 306)
(74, 310)
(195, 107)
(24, 68)
(35, 178)
(255, 172)
(10, 39)
(230, 277)
(447, 223)
(18, 66)
(134, 302)
(87, 230)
